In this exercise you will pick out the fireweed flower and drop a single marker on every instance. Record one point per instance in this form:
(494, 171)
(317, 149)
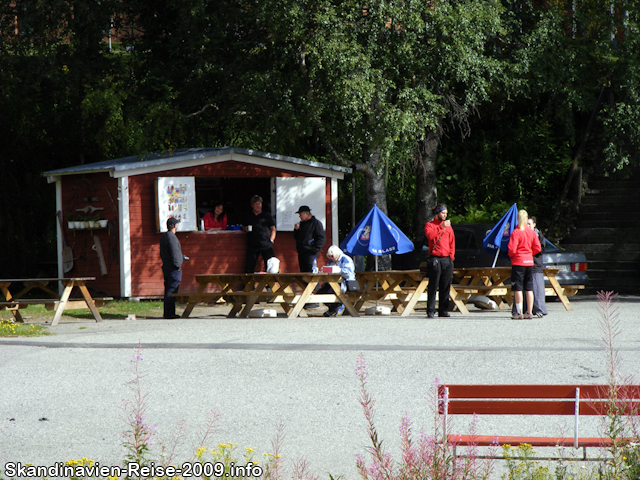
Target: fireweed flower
(361, 368)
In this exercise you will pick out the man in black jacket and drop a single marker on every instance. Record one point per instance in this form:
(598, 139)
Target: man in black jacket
(310, 238)
(172, 258)
(261, 233)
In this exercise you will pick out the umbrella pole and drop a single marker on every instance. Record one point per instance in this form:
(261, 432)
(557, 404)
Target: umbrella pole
(495, 259)
(376, 281)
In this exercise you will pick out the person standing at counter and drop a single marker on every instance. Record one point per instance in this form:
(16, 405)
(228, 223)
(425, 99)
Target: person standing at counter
(215, 220)
(172, 258)
(261, 233)
(310, 238)
(442, 252)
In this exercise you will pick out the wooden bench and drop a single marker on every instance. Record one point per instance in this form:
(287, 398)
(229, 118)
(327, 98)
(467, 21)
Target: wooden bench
(567, 290)
(574, 400)
(52, 303)
(60, 303)
(268, 297)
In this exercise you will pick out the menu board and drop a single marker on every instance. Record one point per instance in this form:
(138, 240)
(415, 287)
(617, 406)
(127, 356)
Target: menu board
(176, 197)
(292, 193)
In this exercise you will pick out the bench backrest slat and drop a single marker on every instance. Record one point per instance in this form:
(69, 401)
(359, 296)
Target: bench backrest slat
(538, 391)
(575, 400)
(536, 399)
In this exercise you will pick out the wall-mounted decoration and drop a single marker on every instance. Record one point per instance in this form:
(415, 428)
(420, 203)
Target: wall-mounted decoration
(176, 197)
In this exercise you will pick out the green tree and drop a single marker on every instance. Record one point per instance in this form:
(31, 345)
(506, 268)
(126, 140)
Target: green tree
(50, 55)
(378, 80)
(559, 59)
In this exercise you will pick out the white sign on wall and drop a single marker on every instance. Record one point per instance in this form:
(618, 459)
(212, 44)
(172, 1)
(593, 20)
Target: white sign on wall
(176, 197)
(292, 192)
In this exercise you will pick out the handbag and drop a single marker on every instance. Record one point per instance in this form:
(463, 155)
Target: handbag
(353, 286)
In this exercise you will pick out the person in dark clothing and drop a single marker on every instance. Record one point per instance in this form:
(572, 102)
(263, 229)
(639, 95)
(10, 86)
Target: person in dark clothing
(261, 233)
(310, 238)
(442, 252)
(172, 258)
(539, 305)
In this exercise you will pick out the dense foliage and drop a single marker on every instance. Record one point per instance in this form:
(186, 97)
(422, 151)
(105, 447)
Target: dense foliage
(475, 103)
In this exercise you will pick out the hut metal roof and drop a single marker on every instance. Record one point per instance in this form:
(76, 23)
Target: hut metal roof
(193, 156)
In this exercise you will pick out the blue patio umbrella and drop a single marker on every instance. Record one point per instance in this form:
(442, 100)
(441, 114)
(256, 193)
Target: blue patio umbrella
(376, 235)
(497, 239)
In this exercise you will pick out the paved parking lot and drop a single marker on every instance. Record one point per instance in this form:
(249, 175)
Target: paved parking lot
(61, 397)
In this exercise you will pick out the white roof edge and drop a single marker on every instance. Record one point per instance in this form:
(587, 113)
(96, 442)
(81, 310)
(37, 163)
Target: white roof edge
(136, 165)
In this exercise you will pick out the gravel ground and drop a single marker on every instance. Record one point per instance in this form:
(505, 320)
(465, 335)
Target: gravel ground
(61, 396)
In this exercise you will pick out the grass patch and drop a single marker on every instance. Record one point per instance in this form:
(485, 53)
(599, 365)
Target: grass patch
(120, 309)
(114, 310)
(10, 329)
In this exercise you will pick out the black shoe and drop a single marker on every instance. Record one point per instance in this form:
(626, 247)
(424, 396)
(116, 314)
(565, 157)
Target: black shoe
(444, 314)
(431, 315)
(311, 306)
(329, 313)
(172, 317)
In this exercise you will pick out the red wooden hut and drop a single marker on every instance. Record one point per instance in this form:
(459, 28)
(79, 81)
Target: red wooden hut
(134, 196)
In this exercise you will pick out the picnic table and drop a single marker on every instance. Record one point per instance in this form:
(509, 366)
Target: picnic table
(492, 282)
(292, 291)
(15, 302)
(403, 288)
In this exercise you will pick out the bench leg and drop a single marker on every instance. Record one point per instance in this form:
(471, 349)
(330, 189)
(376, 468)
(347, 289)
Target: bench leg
(408, 308)
(558, 289)
(190, 306)
(343, 298)
(63, 303)
(458, 302)
(16, 316)
(302, 301)
(7, 296)
(90, 303)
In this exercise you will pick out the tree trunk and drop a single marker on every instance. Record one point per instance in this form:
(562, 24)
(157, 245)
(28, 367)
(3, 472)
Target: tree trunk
(374, 171)
(426, 191)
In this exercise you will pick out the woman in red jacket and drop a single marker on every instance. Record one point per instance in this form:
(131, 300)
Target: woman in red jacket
(442, 250)
(523, 245)
(215, 220)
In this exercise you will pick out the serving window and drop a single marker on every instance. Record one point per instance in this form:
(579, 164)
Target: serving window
(234, 193)
(190, 198)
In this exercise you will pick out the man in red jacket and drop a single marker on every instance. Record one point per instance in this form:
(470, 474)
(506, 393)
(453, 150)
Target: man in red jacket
(442, 252)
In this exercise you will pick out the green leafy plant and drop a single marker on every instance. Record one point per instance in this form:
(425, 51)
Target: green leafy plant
(13, 329)
(427, 457)
(521, 464)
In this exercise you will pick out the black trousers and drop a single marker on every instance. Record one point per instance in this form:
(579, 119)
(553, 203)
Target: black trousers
(252, 258)
(326, 288)
(305, 261)
(440, 271)
(172, 278)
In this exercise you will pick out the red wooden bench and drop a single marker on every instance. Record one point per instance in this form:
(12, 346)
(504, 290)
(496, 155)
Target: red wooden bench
(575, 400)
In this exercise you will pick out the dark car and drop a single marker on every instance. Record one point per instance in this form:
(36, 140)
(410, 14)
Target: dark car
(470, 253)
